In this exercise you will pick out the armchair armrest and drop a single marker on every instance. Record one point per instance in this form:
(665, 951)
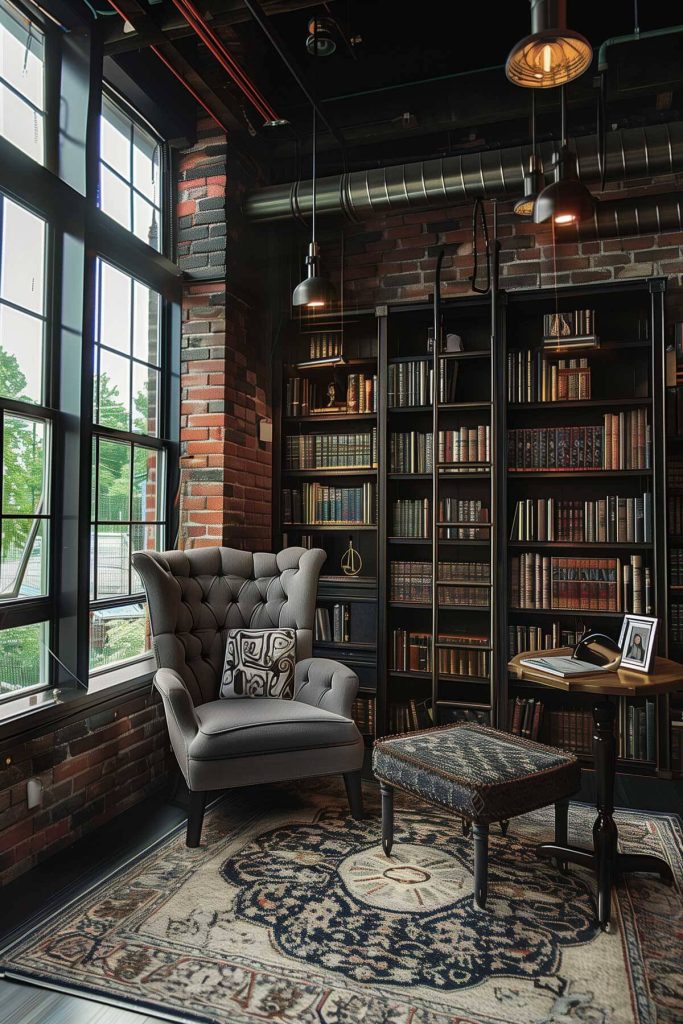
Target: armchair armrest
(326, 684)
(180, 717)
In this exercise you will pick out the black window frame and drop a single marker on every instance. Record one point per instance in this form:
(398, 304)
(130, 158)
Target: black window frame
(64, 193)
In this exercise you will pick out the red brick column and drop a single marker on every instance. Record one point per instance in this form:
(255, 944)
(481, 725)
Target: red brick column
(225, 371)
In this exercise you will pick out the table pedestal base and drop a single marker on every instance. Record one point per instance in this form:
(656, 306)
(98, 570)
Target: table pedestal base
(604, 858)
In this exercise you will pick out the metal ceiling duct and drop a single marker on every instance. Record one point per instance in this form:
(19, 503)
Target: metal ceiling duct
(446, 181)
(622, 218)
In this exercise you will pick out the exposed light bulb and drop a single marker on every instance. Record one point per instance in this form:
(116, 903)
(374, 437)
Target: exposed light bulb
(565, 218)
(547, 59)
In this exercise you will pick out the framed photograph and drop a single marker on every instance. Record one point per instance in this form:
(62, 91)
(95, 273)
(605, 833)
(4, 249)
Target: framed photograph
(637, 642)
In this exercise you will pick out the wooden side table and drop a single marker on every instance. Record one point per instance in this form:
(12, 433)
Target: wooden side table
(604, 858)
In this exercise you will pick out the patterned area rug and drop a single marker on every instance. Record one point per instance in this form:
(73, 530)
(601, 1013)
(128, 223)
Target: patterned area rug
(290, 912)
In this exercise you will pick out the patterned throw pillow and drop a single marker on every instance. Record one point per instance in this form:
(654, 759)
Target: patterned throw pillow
(259, 663)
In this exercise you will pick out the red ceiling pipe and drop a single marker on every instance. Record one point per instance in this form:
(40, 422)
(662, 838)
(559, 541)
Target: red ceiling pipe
(215, 45)
(189, 88)
(173, 71)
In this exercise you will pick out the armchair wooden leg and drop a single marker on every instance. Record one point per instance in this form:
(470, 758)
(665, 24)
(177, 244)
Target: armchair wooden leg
(195, 818)
(354, 793)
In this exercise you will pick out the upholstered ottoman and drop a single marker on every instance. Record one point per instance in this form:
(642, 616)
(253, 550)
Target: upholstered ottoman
(481, 774)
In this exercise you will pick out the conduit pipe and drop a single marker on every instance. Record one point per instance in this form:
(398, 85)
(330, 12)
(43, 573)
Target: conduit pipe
(446, 181)
(621, 218)
(216, 46)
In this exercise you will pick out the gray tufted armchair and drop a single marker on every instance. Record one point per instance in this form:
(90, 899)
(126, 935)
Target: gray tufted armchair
(194, 598)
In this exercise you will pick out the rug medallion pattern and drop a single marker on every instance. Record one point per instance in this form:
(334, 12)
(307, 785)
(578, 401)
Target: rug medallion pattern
(290, 912)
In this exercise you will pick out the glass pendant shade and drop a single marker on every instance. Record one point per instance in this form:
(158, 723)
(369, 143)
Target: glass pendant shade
(314, 292)
(548, 59)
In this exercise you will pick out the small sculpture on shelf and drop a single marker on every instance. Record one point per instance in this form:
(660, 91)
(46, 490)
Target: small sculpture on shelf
(351, 562)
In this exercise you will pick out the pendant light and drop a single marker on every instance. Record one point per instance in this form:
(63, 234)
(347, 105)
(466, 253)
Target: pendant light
(553, 54)
(566, 200)
(314, 292)
(533, 180)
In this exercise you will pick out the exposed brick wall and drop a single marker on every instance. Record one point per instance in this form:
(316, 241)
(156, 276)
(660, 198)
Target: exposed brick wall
(387, 259)
(91, 770)
(225, 366)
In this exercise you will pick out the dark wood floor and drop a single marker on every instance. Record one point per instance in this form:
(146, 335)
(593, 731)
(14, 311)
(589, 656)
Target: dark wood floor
(87, 861)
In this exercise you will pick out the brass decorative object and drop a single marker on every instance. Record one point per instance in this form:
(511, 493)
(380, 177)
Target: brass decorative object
(351, 562)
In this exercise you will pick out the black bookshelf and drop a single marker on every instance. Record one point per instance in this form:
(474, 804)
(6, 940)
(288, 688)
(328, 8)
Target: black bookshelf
(627, 373)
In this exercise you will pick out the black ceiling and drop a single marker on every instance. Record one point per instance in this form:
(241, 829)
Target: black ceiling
(404, 92)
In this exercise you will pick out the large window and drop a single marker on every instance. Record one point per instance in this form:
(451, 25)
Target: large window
(89, 329)
(130, 189)
(25, 444)
(22, 93)
(128, 461)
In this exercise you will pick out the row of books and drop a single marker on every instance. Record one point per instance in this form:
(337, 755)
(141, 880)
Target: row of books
(523, 638)
(412, 652)
(335, 628)
(317, 504)
(410, 517)
(332, 451)
(676, 621)
(586, 584)
(579, 323)
(677, 741)
(304, 397)
(622, 442)
(674, 510)
(411, 383)
(363, 712)
(676, 567)
(463, 510)
(524, 717)
(326, 345)
(410, 716)
(532, 377)
(637, 730)
(411, 452)
(612, 519)
(411, 582)
(674, 411)
(467, 444)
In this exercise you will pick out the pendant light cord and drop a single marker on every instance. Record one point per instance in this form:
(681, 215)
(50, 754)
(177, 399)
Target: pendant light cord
(315, 123)
(314, 178)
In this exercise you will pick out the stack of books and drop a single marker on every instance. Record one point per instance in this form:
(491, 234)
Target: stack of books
(332, 451)
(335, 629)
(411, 582)
(462, 510)
(363, 714)
(637, 730)
(410, 716)
(622, 442)
(532, 377)
(602, 520)
(411, 383)
(674, 507)
(411, 452)
(581, 584)
(410, 517)
(412, 652)
(468, 444)
(326, 345)
(541, 638)
(317, 504)
(676, 621)
(524, 717)
(304, 397)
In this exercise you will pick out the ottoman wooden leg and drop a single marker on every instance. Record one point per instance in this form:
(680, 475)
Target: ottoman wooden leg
(481, 864)
(387, 817)
(561, 829)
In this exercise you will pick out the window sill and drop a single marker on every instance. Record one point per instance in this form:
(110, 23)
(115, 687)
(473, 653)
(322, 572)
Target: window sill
(25, 718)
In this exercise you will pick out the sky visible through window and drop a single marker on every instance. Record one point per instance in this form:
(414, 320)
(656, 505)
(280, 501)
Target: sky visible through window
(22, 103)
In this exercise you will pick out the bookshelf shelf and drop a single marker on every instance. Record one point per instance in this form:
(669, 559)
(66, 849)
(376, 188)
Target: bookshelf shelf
(571, 545)
(583, 403)
(419, 605)
(442, 541)
(329, 527)
(581, 613)
(442, 678)
(550, 474)
(339, 471)
(336, 417)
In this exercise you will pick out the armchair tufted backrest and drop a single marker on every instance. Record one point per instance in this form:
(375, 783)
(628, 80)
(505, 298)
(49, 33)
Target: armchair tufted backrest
(196, 596)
